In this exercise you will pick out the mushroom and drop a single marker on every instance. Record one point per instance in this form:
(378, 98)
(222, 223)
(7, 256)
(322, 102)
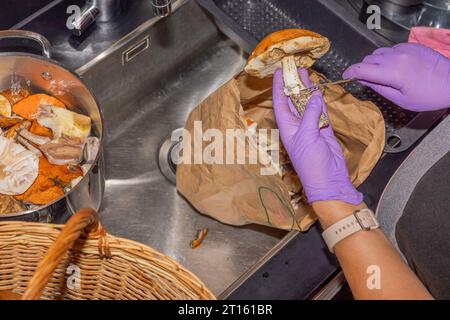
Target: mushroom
(18, 167)
(90, 153)
(6, 118)
(5, 106)
(10, 205)
(34, 138)
(8, 122)
(91, 149)
(13, 132)
(29, 146)
(64, 122)
(63, 151)
(70, 132)
(289, 49)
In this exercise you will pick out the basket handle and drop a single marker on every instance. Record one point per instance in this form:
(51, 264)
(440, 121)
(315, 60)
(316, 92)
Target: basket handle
(83, 222)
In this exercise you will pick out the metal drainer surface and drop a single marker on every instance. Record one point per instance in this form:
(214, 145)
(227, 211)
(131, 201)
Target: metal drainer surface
(168, 156)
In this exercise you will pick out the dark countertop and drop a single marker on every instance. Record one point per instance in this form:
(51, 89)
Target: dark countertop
(12, 13)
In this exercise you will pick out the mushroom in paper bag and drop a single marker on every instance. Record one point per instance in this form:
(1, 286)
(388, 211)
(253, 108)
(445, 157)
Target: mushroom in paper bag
(289, 49)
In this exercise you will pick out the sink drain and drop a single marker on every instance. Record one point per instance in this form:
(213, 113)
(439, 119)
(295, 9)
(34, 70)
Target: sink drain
(168, 155)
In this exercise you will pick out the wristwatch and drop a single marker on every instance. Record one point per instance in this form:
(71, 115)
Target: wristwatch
(360, 220)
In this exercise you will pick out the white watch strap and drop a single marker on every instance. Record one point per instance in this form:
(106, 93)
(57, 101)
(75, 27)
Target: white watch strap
(360, 220)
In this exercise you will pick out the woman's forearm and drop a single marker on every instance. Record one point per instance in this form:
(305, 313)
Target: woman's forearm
(368, 254)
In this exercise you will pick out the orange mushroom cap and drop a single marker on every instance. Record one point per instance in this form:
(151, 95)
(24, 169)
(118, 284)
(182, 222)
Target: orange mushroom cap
(306, 46)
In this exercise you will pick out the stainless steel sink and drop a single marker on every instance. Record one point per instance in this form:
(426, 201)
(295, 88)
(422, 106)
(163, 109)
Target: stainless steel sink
(147, 84)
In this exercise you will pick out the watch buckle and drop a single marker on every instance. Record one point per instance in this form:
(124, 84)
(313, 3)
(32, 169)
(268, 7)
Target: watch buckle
(373, 223)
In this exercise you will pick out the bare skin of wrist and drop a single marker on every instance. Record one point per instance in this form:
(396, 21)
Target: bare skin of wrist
(364, 250)
(330, 212)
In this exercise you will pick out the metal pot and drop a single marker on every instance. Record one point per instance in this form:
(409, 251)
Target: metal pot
(407, 3)
(47, 76)
(392, 8)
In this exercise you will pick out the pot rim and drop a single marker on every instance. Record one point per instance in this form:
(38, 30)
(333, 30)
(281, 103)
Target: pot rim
(102, 131)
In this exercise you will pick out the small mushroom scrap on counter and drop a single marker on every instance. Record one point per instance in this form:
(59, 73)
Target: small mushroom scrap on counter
(201, 236)
(289, 49)
(45, 149)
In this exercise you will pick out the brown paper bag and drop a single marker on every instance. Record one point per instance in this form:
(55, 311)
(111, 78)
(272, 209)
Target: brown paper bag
(238, 194)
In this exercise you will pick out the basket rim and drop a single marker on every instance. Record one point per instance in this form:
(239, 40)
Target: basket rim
(137, 250)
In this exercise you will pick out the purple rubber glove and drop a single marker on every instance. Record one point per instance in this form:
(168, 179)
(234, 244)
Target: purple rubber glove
(413, 76)
(316, 154)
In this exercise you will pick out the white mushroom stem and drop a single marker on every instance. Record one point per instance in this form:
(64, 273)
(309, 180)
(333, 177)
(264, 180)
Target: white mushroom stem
(292, 82)
(34, 138)
(29, 146)
(293, 87)
(91, 149)
(63, 151)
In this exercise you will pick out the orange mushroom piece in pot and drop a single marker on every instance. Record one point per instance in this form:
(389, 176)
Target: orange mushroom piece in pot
(39, 130)
(50, 183)
(15, 95)
(28, 108)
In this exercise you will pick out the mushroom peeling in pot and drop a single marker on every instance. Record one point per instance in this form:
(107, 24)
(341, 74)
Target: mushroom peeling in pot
(70, 132)
(64, 122)
(63, 151)
(18, 167)
(34, 138)
(5, 106)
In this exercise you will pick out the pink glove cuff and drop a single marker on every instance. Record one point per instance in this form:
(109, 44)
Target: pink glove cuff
(437, 39)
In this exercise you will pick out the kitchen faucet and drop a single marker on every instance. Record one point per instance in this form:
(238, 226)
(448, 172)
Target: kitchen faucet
(96, 10)
(108, 10)
(162, 8)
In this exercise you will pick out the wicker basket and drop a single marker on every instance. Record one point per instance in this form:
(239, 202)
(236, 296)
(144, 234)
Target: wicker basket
(80, 260)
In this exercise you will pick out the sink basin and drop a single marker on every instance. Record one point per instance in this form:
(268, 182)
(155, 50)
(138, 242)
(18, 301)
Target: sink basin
(146, 86)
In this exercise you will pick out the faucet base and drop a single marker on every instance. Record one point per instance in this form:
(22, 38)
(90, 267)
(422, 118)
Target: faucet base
(109, 9)
(162, 8)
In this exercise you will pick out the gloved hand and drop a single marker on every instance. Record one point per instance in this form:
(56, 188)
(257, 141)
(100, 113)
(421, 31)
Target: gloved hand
(316, 154)
(413, 76)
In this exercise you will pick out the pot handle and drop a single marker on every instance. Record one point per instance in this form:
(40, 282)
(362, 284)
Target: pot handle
(24, 34)
(85, 222)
